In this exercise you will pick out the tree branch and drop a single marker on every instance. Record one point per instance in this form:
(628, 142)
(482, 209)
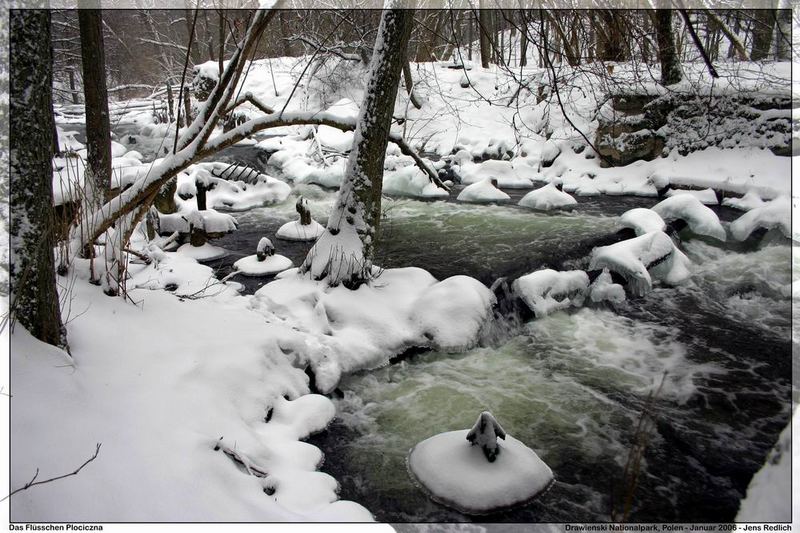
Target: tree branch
(33, 482)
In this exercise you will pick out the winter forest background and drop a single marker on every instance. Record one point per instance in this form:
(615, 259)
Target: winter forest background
(493, 264)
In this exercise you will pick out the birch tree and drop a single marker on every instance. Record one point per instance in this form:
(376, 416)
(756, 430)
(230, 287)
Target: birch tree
(343, 253)
(34, 298)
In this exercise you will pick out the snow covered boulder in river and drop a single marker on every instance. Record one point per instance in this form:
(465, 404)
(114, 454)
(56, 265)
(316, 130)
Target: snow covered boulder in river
(484, 191)
(411, 181)
(264, 262)
(545, 291)
(774, 214)
(639, 260)
(697, 216)
(475, 473)
(642, 220)
(546, 198)
(303, 229)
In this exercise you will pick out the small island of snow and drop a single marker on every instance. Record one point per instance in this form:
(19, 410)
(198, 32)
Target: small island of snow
(484, 191)
(458, 474)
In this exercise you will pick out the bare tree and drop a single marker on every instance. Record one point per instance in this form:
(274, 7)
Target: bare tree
(343, 253)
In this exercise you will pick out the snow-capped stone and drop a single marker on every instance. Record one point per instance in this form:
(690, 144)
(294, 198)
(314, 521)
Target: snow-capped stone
(546, 198)
(604, 289)
(546, 291)
(706, 196)
(482, 192)
(484, 433)
(251, 266)
(774, 214)
(411, 181)
(642, 220)
(295, 231)
(749, 201)
(699, 217)
(457, 474)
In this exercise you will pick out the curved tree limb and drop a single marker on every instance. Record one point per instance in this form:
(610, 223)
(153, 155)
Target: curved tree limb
(33, 482)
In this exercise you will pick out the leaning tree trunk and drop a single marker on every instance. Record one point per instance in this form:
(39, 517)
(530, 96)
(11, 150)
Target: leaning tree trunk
(667, 55)
(343, 253)
(34, 298)
(98, 127)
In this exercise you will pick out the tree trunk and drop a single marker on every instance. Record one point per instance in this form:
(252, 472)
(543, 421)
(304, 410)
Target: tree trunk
(343, 253)
(762, 33)
(784, 35)
(410, 84)
(95, 96)
(485, 27)
(72, 89)
(34, 297)
(670, 65)
(523, 40)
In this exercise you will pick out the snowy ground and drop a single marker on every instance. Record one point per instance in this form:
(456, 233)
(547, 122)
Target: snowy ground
(198, 395)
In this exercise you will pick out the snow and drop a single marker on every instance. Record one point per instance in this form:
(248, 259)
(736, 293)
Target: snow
(546, 291)
(547, 198)
(411, 181)
(158, 383)
(356, 329)
(774, 214)
(749, 201)
(706, 196)
(482, 192)
(208, 220)
(769, 495)
(631, 257)
(503, 171)
(230, 191)
(604, 289)
(701, 219)
(642, 220)
(458, 475)
(251, 266)
(206, 252)
(295, 231)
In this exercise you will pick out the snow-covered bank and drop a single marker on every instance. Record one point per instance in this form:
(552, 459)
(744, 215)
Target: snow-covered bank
(158, 384)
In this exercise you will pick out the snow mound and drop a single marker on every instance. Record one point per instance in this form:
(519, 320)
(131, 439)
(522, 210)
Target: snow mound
(546, 291)
(411, 181)
(208, 220)
(251, 266)
(642, 220)
(482, 192)
(774, 214)
(749, 201)
(706, 196)
(335, 139)
(458, 475)
(503, 171)
(348, 330)
(295, 231)
(701, 219)
(633, 257)
(546, 198)
(206, 252)
(604, 289)
(233, 188)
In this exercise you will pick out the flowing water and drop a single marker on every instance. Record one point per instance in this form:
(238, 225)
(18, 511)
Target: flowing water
(572, 386)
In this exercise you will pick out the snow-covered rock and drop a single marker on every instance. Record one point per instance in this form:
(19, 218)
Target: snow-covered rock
(457, 474)
(604, 289)
(411, 181)
(206, 252)
(482, 192)
(364, 328)
(701, 219)
(208, 220)
(749, 201)
(631, 259)
(706, 196)
(546, 198)
(251, 266)
(774, 214)
(546, 291)
(503, 171)
(642, 220)
(295, 231)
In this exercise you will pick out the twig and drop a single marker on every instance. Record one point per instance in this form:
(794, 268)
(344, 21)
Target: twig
(33, 481)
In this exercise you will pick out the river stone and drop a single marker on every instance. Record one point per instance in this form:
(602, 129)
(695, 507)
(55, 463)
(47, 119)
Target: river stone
(456, 474)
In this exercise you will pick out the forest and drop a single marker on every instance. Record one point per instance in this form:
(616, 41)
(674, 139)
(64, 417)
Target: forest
(490, 264)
